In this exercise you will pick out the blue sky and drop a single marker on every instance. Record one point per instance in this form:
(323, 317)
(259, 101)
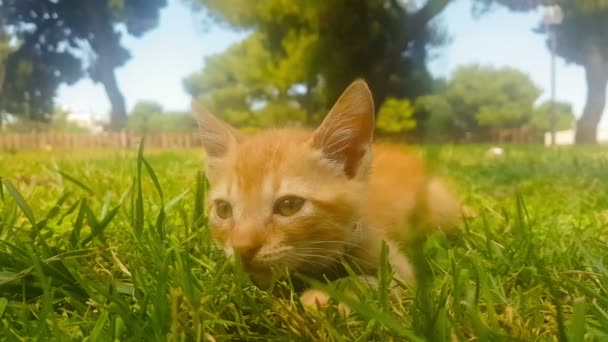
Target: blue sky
(176, 48)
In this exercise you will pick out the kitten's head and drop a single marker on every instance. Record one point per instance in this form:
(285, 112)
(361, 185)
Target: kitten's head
(289, 199)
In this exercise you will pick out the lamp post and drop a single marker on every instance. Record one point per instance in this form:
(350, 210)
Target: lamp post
(552, 17)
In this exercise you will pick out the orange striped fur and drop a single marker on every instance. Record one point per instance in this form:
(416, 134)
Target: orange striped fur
(354, 194)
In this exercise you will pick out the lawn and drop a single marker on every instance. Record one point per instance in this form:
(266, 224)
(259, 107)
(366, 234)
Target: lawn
(114, 246)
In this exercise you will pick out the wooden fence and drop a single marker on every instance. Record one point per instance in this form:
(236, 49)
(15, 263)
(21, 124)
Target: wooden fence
(94, 141)
(520, 135)
(187, 140)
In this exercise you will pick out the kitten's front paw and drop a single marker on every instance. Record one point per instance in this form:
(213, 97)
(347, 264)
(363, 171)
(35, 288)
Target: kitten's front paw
(314, 298)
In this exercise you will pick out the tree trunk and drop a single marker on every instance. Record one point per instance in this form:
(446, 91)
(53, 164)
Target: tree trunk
(118, 117)
(596, 71)
(414, 30)
(105, 47)
(11, 64)
(379, 92)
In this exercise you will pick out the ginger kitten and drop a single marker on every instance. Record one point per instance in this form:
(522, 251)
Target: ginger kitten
(299, 200)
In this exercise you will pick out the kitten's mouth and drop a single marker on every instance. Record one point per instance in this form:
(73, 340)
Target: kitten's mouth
(253, 267)
(266, 266)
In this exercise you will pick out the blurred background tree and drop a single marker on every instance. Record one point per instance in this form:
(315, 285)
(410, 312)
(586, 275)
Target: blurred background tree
(150, 117)
(302, 54)
(488, 97)
(580, 39)
(396, 116)
(559, 111)
(144, 115)
(479, 99)
(5, 50)
(61, 41)
(295, 60)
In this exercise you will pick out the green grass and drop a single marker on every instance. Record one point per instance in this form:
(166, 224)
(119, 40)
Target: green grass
(111, 246)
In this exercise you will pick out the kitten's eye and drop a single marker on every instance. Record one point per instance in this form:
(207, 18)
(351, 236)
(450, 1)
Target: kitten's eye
(223, 209)
(288, 206)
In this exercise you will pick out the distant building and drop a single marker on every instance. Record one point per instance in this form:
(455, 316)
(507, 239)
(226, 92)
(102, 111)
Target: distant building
(84, 119)
(567, 137)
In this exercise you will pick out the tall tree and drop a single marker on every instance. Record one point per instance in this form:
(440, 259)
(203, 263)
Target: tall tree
(5, 50)
(303, 47)
(480, 98)
(247, 82)
(61, 41)
(149, 117)
(396, 116)
(580, 39)
(558, 114)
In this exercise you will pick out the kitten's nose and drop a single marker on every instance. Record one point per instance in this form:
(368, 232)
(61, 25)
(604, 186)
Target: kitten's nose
(246, 241)
(247, 251)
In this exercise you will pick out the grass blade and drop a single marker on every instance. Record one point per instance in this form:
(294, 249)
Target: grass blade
(577, 325)
(154, 179)
(75, 181)
(29, 214)
(99, 326)
(75, 235)
(366, 309)
(3, 304)
(99, 227)
(198, 214)
(54, 211)
(2, 189)
(138, 215)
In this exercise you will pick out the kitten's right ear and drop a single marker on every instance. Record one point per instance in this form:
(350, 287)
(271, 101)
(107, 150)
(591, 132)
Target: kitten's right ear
(218, 136)
(345, 136)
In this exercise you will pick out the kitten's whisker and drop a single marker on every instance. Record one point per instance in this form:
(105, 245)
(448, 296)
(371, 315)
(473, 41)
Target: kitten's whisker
(348, 257)
(318, 256)
(304, 260)
(314, 249)
(305, 243)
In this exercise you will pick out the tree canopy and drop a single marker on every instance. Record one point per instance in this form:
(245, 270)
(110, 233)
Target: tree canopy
(5, 50)
(61, 41)
(150, 117)
(302, 54)
(559, 112)
(479, 99)
(396, 116)
(492, 97)
(581, 39)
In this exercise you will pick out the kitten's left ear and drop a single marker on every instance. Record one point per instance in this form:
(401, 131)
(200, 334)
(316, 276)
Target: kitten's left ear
(345, 136)
(218, 136)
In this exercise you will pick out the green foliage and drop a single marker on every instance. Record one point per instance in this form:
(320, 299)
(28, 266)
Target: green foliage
(396, 116)
(106, 245)
(149, 117)
(435, 110)
(5, 50)
(560, 113)
(479, 98)
(235, 85)
(285, 112)
(579, 38)
(144, 115)
(492, 97)
(306, 53)
(62, 41)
